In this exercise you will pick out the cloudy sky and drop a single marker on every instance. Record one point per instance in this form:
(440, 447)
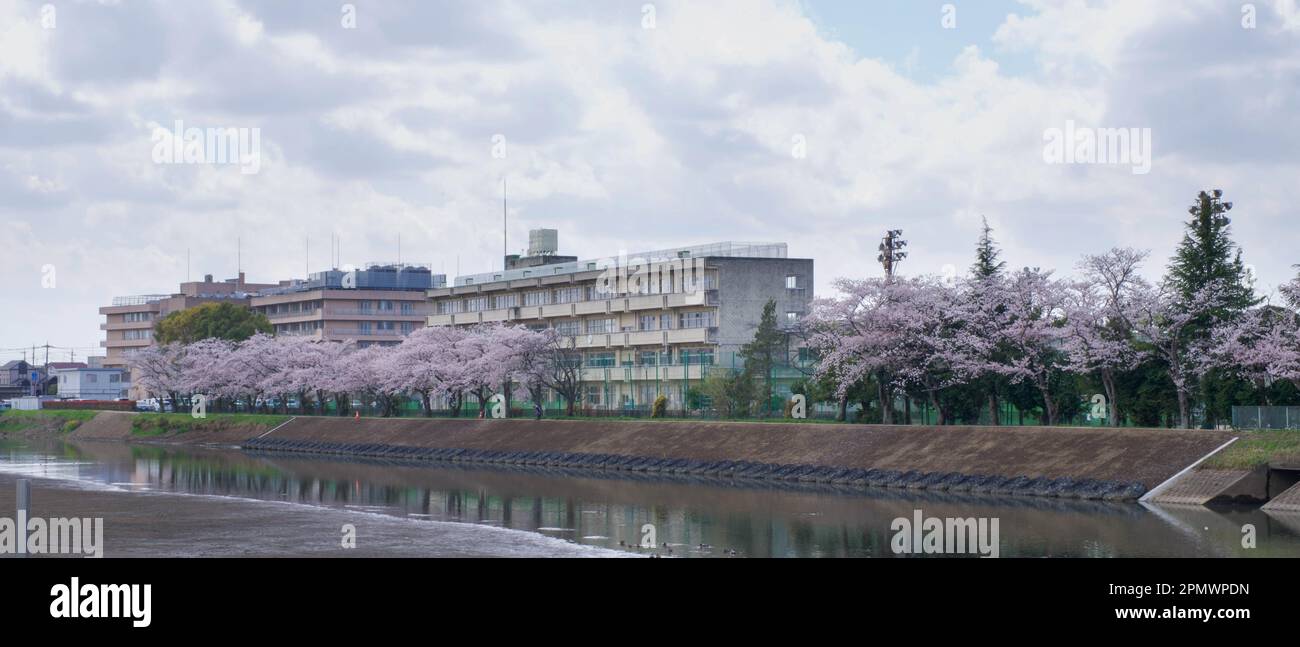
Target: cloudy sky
(625, 125)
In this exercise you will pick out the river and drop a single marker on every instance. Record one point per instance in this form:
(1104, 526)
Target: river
(168, 500)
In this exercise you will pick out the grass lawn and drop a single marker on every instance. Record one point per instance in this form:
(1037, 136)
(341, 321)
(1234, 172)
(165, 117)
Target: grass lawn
(158, 424)
(1258, 448)
(11, 420)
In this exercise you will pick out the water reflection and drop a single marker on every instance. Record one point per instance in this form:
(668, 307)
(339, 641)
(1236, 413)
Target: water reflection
(693, 516)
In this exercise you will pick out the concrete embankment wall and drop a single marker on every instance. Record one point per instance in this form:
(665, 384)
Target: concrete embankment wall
(1068, 462)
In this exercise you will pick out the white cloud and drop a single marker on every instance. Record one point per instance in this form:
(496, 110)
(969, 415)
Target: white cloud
(622, 137)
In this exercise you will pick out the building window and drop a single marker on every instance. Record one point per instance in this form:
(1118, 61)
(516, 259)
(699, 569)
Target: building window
(407, 327)
(408, 307)
(91, 378)
(600, 360)
(537, 298)
(568, 328)
(476, 304)
(654, 358)
(567, 295)
(791, 282)
(697, 356)
(698, 319)
(792, 317)
(649, 322)
(596, 326)
(506, 301)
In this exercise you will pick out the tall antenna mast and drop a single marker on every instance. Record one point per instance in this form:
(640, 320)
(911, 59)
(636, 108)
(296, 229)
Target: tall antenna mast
(504, 230)
(891, 253)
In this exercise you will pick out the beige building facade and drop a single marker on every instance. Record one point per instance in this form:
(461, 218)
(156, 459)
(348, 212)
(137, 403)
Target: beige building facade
(646, 324)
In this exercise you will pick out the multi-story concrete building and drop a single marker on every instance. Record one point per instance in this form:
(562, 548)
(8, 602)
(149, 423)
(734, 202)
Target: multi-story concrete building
(129, 321)
(377, 305)
(645, 324)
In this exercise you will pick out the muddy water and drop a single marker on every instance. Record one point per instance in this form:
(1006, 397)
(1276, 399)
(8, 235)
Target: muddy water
(684, 518)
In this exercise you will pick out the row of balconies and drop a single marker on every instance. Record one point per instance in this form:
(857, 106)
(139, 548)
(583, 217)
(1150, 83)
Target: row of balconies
(349, 314)
(580, 308)
(126, 325)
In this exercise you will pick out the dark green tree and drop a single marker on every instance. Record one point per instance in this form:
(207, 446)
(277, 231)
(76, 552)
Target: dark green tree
(987, 264)
(762, 354)
(988, 269)
(1207, 254)
(211, 320)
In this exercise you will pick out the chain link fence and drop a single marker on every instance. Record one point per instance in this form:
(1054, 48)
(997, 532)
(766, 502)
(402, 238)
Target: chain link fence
(1260, 417)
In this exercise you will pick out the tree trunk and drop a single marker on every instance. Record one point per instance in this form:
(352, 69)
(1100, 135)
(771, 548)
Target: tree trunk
(886, 403)
(1184, 416)
(993, 409)
(844, 409)
(1112, 403)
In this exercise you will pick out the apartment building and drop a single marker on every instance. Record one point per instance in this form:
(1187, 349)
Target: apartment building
(129, 320)
(377, 305)
(645, 324)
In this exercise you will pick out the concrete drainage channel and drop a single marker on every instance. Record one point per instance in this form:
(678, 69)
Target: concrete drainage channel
(1063, 487)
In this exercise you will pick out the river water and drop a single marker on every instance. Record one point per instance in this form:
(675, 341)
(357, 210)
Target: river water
(534, 512)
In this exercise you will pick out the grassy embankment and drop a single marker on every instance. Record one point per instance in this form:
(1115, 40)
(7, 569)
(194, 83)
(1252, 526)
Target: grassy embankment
(64, 420)
(1257, 448)
(160, 424)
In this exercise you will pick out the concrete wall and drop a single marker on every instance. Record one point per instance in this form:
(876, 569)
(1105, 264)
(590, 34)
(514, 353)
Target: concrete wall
(746, 284)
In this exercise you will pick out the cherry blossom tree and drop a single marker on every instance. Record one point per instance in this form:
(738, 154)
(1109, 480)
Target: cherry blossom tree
(1098, 312)
(859, 335)
(1262, 346)
(1033, 305)
(159, 370)
(1164, 321)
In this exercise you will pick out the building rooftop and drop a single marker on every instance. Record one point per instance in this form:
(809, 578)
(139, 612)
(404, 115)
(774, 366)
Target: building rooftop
(375, 276)
(720, 249)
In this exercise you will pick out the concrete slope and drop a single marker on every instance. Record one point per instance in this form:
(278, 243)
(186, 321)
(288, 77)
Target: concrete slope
(1287, 501)
(1146, 456)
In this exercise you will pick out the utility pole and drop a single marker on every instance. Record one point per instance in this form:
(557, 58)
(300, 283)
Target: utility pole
(891, 253)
